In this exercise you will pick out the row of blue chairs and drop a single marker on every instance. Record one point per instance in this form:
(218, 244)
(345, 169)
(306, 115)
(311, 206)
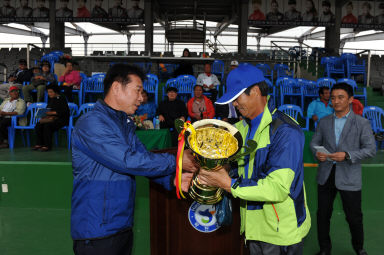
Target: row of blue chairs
(347, 65)
(30, 114)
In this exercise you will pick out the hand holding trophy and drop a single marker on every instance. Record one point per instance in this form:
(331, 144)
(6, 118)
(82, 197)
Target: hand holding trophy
(213, 143)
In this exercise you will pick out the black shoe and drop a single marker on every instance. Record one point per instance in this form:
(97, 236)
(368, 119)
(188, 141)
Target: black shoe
(362, 252)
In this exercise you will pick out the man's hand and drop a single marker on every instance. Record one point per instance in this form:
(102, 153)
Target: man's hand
(315, 118)
(11, 79)
(186, 179)
(321, 156)
(337, 156)
(197, 116)
(205, 86)
(161, 118)
(219, 178)
(189, 163)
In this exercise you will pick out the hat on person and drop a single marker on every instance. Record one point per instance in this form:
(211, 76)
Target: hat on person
(171, 89)
(234, 63)
(239, 80)
(12, 88)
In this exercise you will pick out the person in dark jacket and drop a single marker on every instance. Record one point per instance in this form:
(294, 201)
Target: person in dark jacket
(21, 75)
(56, 118)
(185, 66)
(171, 109)
(106, 156)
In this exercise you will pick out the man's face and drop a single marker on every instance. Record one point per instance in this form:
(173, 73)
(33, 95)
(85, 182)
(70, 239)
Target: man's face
(172, 95)
(69, 66)
(6, 3)
(309, 6)
(145, 97)
(99, 2)
(245, 105)
(135, 4)
(45, 68)
(22, 66)
(198, 91)
(80, 3)
(274, 7)
(207, 68)
(292, 7)
(349, 9)
(233, 67)
(14, 94)
(326, 8)
(256, 6)
(117, 3)
(51, 93)
(365, 10)
(326, 95)
(40, 4)
(64, 4)
(24, 3)
(340, 100)
(129, 97)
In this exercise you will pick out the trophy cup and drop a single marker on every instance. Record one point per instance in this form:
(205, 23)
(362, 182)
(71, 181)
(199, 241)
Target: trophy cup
(214, 143)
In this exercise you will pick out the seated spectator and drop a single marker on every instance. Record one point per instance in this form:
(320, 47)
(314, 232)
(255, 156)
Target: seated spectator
(200, 107)
(357, 107)
(234, 64)
(56, 118)
(227, 112)
(11, 106)
(17, 78)
(209, 81)
(71, 79)
(320, 107)
(39, 82)
(146, 110)
(171, 109)
(185, 67)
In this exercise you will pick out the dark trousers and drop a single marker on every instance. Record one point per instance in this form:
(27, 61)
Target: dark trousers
(261, 248)
(352, 208)
(4, 124)
(68, 93)
(119, 244)
(45, 131)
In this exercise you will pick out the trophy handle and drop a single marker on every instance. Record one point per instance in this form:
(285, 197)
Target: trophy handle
(249, 148)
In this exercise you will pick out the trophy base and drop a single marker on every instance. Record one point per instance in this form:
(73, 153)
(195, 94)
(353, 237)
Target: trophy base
(204, 194)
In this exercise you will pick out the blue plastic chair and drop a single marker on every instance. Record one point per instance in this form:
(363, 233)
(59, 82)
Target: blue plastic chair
(173, 82)
(354, 66)
(376, 116)
(357, 91)
(93, 85)
(282, 70)
(271, 91)
(267, 71)
(327, 82)
(151, 85)
(30, 113)
(309, 90)
(288, 87)
(333, 66)
(294, 111)
(73, 112)
(218, 69)
(185, 86)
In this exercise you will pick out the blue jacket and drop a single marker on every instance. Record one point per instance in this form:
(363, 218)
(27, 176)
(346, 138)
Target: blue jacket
(106, 156)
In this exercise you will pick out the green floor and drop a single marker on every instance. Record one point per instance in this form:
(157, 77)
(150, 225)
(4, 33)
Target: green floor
(35, 214)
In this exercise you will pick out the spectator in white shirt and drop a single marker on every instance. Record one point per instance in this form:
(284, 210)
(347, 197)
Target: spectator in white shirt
(209, 81)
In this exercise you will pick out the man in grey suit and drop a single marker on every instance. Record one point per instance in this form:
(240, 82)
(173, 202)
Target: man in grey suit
(349, 139)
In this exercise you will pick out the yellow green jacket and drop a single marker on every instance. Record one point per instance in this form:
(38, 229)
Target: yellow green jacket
(273, 205)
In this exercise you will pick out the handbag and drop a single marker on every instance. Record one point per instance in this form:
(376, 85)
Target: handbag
(224, 211)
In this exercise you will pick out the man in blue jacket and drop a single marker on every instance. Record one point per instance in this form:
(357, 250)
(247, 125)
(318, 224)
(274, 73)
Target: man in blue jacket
(106, 157)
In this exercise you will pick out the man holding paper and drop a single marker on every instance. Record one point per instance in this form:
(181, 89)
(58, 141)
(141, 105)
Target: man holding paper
(348, 138)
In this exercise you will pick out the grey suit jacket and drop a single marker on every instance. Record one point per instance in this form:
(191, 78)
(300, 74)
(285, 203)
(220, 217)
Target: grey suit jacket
(356, 138)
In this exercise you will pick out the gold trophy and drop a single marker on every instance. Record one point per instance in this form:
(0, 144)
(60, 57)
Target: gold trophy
(214, 143)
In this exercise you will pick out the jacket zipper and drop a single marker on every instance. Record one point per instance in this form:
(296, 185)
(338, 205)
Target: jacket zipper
(277, 217)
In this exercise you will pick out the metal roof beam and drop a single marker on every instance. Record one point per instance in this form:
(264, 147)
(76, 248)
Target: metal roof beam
(363, 38)
(68, 30)
(18, 31)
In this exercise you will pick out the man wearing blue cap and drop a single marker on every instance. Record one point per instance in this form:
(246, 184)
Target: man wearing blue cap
(269, 181)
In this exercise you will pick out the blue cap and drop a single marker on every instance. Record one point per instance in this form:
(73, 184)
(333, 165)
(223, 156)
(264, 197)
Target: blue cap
(239, 80)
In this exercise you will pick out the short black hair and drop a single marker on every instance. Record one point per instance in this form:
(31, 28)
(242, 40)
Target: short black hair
(344, 86)
(54, 87)
(45, 63)
(120, 73)
(171, 89)
(22, 61)
(197, 85)
(263, 86)
(326, 3)
(321, 90)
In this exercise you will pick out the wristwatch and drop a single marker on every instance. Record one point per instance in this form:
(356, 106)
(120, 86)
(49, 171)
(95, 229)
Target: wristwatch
(347, 156)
